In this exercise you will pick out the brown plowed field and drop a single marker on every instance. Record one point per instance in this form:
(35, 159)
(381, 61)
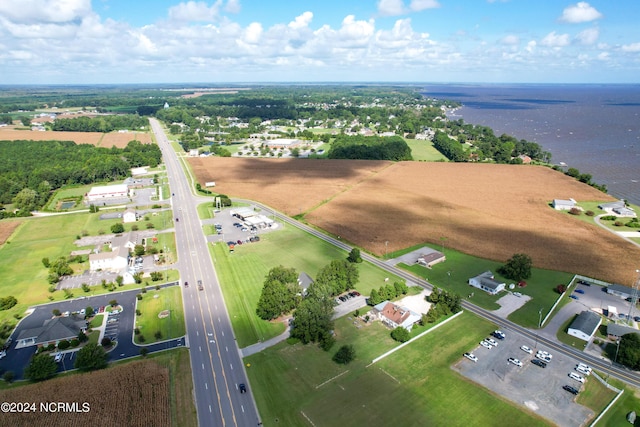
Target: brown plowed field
(6, 229)
(107, 140)
(491, 211)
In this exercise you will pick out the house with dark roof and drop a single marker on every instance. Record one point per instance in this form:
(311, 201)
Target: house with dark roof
(609, 207)
(615, 331)
(487, 282)
(620, 290)
(52, 331)
(393, 315)
(431, 258)
(585, 325)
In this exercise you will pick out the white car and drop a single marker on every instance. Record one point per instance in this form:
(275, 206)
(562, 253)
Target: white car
(471, 357)
(515, 362)
(2, 354)
(576, 377)
(492, 341)
(543, 357)
(526, 349)
(57, 357)
(486, 344)
(585, 367)
(582, 370)
(545, 354)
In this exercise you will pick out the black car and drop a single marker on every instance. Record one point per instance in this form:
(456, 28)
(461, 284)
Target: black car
(186, 284)
(242, 388)
(539, 362)
(570, 389)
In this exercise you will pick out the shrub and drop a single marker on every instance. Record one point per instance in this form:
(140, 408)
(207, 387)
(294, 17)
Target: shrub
(575, 211)
(138, 312)
(144, 351)
(56, 312)
(51, 347)
(68, 294)
(139, 296)
(52, 288)
(561, 288)
(400, 334)
(158, 335)
(106, 342)
(113, 303)
(589, 213)
(618, 223)
(345, 354)
(85, 287)
(141, 338)
(75, 342)
(7, 302)
(8, 376)
(136, 331)
(63, 345)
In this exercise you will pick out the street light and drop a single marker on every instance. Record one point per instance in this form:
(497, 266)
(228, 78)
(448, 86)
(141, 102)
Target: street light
(539, 324)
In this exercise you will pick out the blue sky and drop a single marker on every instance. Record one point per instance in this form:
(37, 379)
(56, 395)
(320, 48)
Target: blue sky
(165, 41)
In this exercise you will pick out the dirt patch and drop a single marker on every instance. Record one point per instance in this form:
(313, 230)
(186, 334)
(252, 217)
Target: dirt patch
(118, 139)
(163, 314)
(491, 211)
(6, 229)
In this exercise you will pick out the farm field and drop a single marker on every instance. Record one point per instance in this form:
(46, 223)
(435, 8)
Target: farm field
(415, 385)
(156, 391)
(107, 140)
(242, 275)
(486, 210)
(7, 228)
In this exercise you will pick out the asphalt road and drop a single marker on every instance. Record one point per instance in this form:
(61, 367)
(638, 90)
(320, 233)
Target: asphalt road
(216, 365)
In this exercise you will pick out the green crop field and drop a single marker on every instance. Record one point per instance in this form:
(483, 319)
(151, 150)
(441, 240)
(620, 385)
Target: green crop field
(242, 275)
(298, 385)
(153, 303)
(424, 151)
(454, 273)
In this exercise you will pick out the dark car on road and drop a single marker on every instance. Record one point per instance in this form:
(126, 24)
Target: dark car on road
(200, 286)
(186, 284)
(242, 388)
(570, 389)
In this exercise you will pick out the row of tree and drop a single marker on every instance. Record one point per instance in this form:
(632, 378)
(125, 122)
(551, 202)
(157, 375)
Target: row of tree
(369, 148)
(106, 123)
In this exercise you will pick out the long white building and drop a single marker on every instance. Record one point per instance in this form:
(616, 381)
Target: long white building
(105, 192)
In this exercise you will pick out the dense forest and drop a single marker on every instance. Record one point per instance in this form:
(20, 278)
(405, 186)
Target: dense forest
(370, 148)
(107, 123)
(30, 170)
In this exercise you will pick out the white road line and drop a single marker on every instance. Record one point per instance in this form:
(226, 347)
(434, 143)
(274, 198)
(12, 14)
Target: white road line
(203, 366)
(197, 333)
(222, 333)
(231, 364)
(206, 386)
(199, 348)
(209, 408)
(242, 407)
(227, 348)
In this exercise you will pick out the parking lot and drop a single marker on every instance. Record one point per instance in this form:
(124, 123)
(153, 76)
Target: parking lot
(232, 229)
(538, 389)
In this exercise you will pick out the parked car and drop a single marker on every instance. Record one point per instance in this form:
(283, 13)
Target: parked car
(57, 357)
(539, 363)
(582, 370)
(584, 282)
(499, 334)
(543, 357)
(574, 296)
(579, 291)
(576, 377)
(486, 345)
(492, 342)
(471, 357)
(570, 389)
(515, 362)
(526, 349)
(585, 367)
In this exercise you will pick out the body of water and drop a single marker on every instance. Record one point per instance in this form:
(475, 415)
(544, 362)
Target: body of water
(594, 128)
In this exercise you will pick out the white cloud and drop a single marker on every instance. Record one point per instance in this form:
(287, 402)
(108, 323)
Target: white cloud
(633, 47)
(510, 39)
(33, 11)
(580, 12)
(192, 11)
(418, 5)
(555, 40)
(301, 21)
(253, 33)
(233, 6)
(531, 46)
(588, 36)
(391, 7)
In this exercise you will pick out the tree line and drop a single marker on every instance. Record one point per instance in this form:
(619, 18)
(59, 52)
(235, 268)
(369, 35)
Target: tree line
(31, 170)
(104, 124)
(369, 148)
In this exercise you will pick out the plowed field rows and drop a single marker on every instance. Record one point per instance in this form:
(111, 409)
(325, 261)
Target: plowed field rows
(490, 211)
(108, 140)
(6, 228)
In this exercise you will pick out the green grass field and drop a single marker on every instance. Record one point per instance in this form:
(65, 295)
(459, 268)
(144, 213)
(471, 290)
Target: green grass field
(414, 386)
(152, 303)
(242, 275)
(24, 275)
(424, 151)
(454, 273)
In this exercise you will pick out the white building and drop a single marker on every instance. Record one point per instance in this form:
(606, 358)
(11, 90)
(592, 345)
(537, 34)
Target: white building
(106, 192)
(487, 283)
(585, 325)
(129, 215)
(564, 205)
(115, 261)
(394, 316)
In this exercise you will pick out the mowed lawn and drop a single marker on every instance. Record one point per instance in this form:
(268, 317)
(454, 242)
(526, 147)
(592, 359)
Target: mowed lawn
(455, 272)
(153, 303)
(242, 275)
(413, 387)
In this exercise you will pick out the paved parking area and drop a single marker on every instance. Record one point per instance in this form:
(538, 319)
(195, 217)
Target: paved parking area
(229, 232)
(537, 389)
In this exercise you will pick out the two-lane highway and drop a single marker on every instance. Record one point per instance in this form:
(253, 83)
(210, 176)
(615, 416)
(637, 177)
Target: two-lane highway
(216, 364)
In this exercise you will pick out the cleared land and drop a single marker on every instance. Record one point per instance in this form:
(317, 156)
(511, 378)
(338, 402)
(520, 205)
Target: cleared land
(107, 140)
(6, 229)
(134, 394)
(490, 211)
(171, 325)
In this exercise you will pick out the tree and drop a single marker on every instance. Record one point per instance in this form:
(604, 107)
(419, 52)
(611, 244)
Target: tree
(82, 337)
(119, 280)
(91, 357)
(113, 303)
(339, 276)
(401, 288)
(117, 228)
(375, 298)
(629, 351)
(518, 267)
(88, 311)
(400, 334)
(354, 255)
(138, 250)
(56, 312)
(46, 263)
(279, 293)
(7, 302)
(312, 320)
(8, 376)
(41, 367)
(345, 354)
(106, 342)
(144, 351)
(26, 200)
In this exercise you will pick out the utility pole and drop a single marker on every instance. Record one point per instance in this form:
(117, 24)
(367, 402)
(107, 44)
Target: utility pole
(539, 323)
(634, 297)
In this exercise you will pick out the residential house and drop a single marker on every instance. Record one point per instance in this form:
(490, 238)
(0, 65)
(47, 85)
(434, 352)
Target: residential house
(393, 316)
(609, 207)
(429, 259)
(585, 325)
(487, 282)
(52, 331)
(129, 215)
(563, 205)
